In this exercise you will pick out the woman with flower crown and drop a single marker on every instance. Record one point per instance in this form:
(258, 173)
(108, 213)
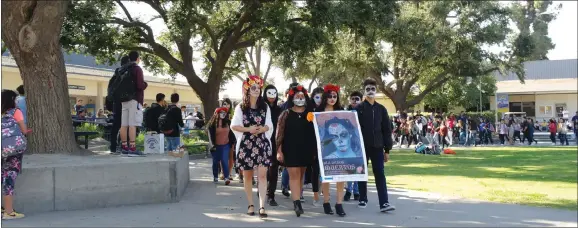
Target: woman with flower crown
(253, 129)
(296, 142)
(330, 102)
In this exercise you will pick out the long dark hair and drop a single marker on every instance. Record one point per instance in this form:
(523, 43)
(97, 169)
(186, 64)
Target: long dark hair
(8, 100)
(213, 122)
(231, 107)
(315, 91)
(295, 91)
(246, 105)
(324, 104)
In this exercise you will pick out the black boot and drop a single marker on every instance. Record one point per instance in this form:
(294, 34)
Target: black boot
(297, 207)
(272, 202)
(347, 196)
(339, 210)
(356, 197)
(327, 208)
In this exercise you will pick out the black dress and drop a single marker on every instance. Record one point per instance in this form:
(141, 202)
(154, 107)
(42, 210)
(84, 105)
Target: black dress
(299, 142)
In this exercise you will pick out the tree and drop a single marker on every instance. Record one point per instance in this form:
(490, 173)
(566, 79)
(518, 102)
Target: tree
(218, 31)
(31, 30)
(253, 58)
(532, 19)
(462, 92)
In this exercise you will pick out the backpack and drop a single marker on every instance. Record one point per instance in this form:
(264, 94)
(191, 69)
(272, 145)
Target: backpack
(420, 148)
(166, 123)
(112, 84)
(13, 140)
(125, 89)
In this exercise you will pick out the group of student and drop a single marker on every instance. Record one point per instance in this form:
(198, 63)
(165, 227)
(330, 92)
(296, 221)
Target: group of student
(261, 135)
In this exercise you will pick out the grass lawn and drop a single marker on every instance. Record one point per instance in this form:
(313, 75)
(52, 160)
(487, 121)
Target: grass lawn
(536, 176)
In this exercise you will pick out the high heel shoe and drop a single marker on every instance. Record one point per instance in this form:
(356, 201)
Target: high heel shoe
(327, 208)
(251, 213)
(339, 210)
(297, 207)
(262, 215)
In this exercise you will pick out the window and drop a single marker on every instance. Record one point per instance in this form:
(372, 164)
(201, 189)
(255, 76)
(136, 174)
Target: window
(529, 108)
(515, 107)
(546, 110)
(560, 109)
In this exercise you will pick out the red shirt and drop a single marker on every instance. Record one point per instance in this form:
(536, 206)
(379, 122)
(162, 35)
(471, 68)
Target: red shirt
(552, 127)
(141, 85)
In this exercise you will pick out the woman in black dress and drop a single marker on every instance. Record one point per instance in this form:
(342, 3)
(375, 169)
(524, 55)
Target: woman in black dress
(253, 129)
(296, 144)
(330, 102)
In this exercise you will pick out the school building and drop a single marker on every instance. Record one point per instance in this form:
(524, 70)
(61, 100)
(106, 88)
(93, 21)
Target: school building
(88, 81)
(550, 90)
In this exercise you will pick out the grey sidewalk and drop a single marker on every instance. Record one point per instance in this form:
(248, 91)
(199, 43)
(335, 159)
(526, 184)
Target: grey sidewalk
(216, 205)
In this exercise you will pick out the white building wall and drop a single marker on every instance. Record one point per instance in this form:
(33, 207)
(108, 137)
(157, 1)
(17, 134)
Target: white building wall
(543, 100)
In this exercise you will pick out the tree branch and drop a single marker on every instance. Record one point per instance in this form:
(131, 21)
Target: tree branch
(436, 83)
(210, 57)
(252, 62)
(268, 66)
(124, 10)
(149, 36)
(244, 44)
(156, 5)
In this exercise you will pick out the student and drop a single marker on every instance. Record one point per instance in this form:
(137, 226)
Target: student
(219, 135)
(13, 130)
(315, 101)
(131, 109)
(552, 128)
(154, 112)
(21, 102)
(352, 187)
(174, 122)
(270, 95)
(376, 130)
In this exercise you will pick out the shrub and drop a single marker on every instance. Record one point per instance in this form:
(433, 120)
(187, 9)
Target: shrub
(87, 127)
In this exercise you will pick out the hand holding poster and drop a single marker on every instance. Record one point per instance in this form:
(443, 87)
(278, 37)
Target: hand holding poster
(340, 146)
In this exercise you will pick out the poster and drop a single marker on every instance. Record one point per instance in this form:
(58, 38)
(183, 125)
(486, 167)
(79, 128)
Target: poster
(503, 102)
(340, 146)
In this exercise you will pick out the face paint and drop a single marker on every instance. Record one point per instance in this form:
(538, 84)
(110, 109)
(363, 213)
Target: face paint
(332, 99)
(354, 100)
(340, 136)
(271, 93)
(370, 91)
(317, 99)
(254, 91)
(299, 99)
(226, 105)
(222, 115)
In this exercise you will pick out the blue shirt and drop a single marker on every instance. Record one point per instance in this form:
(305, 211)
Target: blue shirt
(21, 104)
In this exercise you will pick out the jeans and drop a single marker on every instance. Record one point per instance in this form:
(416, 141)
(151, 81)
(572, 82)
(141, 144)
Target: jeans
(352, 186)
(563, 137)
(173, 143)
(463, 138)
(221, 155)
(472, 138)
(377, 165)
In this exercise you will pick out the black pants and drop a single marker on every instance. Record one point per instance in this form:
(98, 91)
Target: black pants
(530, 138)
(517, 135)
(315, 172)
(563, 138)
(272, 178)
(411, 138)
(114, 136)
(553, 137)
(503, 138)
(308, 174)
(375, 155)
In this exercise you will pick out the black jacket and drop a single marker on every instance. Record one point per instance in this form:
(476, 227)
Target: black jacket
(375, 125)
(275, 112)
(175, 114)
(152, 117)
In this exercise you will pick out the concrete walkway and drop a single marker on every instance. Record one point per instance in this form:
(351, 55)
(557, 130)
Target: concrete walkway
(216, 205)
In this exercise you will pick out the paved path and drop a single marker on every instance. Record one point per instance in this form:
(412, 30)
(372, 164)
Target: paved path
(216, 205)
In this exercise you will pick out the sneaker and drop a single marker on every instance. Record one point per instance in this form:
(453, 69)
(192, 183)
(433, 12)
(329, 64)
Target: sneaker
(285, 192)
(272, 202)
(115, 153)
(386, 207)
(215, 180)
(13, 215)
(136, 153)
(124, 151)
(362, 204)
(316, 203)
(302, 199)
(227, 181)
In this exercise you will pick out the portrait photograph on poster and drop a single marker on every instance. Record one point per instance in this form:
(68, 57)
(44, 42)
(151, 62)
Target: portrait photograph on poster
(340, 146)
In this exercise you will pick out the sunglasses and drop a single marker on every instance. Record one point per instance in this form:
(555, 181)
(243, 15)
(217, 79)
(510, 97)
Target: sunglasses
(370, 89)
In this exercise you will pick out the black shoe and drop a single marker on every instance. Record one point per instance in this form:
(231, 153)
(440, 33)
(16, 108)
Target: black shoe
(386, 207)
(297, 208)
(285, 192)
(339, 210)
(347, 196)
(272, 202)
(355, 197)
(327, 208)
(252, 213)
(262, 215)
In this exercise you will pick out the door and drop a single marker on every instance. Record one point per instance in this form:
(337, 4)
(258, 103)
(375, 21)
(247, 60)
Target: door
(560, 108)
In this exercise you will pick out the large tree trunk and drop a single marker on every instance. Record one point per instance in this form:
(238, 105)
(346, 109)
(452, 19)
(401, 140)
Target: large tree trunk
(31, 30)
(210, 99)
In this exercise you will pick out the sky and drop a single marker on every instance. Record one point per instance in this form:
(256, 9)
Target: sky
(563, 32)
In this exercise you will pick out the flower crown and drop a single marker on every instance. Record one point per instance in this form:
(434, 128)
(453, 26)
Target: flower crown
(252, 80)
(330, 87)
(298, 88)
(221, 109)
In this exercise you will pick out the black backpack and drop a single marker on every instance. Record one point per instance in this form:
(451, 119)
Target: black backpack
(166, 123)
(112, 84)
(125, 89)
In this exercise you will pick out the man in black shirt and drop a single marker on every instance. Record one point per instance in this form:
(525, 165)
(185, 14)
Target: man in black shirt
(153, 113)
(376, 131)
(174, 114)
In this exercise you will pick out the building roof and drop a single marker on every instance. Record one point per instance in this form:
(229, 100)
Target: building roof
(564, 85)
(544, 69)
(86, 65)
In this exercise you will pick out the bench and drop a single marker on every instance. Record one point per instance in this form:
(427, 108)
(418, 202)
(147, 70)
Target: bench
(85, 134)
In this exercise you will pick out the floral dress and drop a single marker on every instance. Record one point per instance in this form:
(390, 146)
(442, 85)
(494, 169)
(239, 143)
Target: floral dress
(254, 150)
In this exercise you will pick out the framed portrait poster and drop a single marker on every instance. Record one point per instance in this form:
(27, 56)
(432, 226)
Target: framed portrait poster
(340, 147)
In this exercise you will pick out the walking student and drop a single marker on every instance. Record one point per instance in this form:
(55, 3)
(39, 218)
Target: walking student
(131, 93)
(219, 135)
(352, 188)
(271, 94)
(253, 129)
(376, 130)
(13, 147)
(296, 142)
(552, 128)
(562, 132)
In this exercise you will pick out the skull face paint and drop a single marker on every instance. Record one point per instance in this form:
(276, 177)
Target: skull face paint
(370, 91)
(317, 99)
(340, 135)
(299, 99)
(271, 93)
(222, 115)
(254, 91)
(354, 100)
(332, 99)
